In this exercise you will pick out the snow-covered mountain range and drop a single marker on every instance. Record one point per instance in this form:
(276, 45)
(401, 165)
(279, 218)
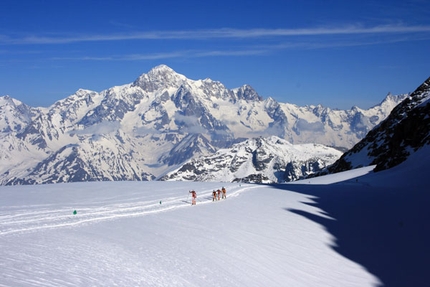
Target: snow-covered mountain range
(262, 160)
(143, 130)
(405, 131)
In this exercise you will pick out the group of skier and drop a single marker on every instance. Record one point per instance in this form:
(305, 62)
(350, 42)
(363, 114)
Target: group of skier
(216, 195)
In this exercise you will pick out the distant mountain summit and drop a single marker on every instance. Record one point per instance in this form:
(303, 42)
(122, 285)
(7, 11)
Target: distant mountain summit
(403, 132)
(158, 78)
(147, 128)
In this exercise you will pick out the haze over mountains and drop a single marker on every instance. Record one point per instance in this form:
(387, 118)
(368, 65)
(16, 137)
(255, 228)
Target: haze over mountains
(152, 126)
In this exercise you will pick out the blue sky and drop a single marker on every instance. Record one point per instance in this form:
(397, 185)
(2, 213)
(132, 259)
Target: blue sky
(334, 52)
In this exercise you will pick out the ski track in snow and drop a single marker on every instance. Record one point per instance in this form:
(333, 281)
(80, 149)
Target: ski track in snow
(13, 220)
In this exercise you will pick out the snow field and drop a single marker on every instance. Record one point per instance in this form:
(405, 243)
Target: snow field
(122, 236)
(17, 219)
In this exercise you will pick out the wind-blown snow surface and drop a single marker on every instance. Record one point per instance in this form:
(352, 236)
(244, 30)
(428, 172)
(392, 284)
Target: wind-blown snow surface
(148, 234)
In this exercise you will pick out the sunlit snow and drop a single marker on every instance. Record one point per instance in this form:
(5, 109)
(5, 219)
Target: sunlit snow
(148, 234)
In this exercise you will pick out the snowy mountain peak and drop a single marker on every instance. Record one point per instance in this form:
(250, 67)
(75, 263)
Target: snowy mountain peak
(161, 70)
(7, 100)
(158, 78)
(14, 114)
(392, 100)
(246, 92)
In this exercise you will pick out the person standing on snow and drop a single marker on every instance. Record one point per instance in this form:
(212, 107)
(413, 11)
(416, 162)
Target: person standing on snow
(194, 196)
(213, 195)
(224, 192)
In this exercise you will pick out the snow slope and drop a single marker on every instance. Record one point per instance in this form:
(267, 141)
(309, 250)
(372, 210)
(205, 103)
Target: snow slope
(335, 230)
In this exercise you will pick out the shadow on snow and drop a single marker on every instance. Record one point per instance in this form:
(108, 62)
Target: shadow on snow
(387, 231)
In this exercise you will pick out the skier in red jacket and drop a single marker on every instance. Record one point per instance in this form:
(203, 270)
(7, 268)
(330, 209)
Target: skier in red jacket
(194, 196)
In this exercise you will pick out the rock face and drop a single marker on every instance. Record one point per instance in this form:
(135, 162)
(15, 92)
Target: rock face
(403, 132)
(142, 130)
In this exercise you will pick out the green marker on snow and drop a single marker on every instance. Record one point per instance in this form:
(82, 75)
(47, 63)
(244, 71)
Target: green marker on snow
(75, 212)
(160, 201)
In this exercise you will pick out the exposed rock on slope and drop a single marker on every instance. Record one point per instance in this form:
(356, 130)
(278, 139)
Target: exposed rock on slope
(258, 160)
(405, 130)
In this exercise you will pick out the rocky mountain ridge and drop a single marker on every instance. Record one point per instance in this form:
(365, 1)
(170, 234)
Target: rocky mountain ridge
(402, 133)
